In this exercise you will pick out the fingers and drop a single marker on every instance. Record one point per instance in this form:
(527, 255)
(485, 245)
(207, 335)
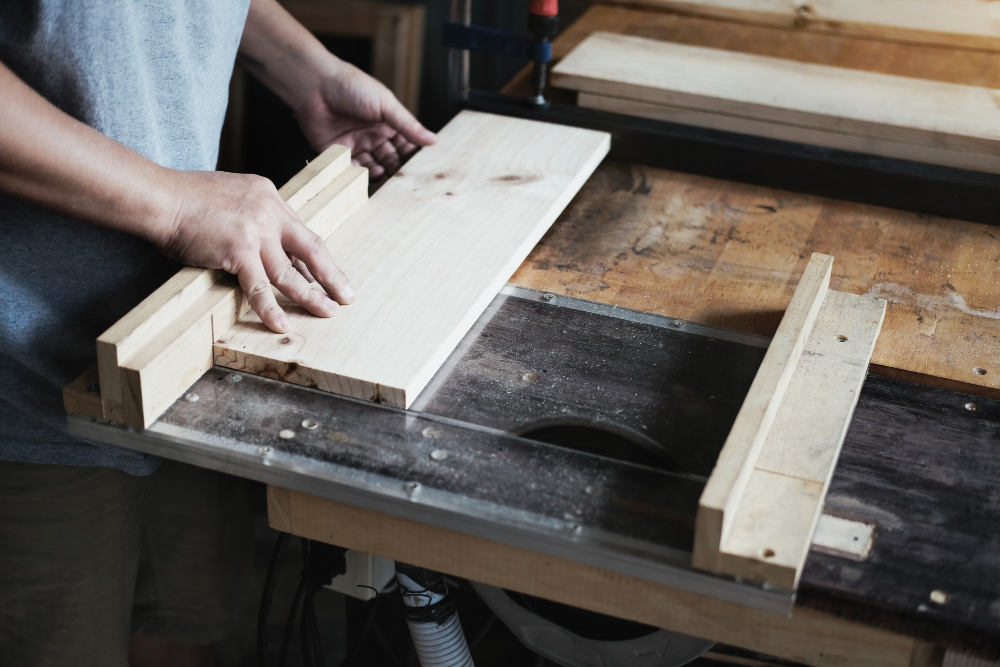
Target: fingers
(403, 146)
(310, 248)
(387, 157)
(290, 282)
(366, 160)
(403, 122)
(301, 267)
(257, 288)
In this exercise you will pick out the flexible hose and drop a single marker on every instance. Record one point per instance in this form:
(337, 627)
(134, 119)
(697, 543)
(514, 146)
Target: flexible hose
(440, 643)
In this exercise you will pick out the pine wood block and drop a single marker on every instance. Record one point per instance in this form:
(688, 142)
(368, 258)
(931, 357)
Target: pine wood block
(839, 101)
(760, 508)
(971, 24)
(426, 256)
(148, 358)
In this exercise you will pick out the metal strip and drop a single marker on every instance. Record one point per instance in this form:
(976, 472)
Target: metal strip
(639, 316)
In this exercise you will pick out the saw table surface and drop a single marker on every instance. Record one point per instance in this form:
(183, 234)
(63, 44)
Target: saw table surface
(730, 254)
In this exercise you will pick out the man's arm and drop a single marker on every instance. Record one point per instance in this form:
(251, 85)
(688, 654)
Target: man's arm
(216, 220)
(334, 101)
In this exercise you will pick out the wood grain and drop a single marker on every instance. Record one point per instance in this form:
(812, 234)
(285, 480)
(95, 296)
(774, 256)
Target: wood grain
(773, 524)
(960, 23)
(808, 637)
(426, 256)
(794, 133)
(724, 491)
(839, 101)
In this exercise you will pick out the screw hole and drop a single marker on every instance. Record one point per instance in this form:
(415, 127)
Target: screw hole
(979, 370)
(767, 552)
(842, 338)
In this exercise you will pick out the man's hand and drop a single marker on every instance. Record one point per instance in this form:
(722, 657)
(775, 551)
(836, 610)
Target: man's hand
(334, 101)
(350, 108)
(239, 224)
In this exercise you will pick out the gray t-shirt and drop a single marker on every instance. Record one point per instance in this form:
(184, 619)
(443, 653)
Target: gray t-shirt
(154, 76)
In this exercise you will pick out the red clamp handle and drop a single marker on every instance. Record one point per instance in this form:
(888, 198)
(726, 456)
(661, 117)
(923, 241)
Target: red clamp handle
(544, 7)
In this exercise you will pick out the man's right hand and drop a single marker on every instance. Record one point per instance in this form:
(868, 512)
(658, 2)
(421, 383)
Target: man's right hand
(239, 223)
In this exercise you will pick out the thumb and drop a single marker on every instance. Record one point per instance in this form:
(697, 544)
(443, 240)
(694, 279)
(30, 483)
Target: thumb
(401, 120)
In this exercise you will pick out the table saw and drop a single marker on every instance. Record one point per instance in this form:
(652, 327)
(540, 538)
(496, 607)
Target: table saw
(561, 449)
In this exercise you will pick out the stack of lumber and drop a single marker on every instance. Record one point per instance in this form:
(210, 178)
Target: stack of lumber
(867, 112)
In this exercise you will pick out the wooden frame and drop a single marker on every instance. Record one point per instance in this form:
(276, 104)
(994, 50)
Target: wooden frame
(808, 636)
(147, 359)
(963, 23)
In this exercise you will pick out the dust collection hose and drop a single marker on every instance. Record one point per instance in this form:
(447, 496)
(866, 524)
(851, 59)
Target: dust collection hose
(432, 618)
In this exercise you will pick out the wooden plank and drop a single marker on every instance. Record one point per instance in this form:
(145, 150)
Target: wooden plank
(724, 490)
(808, 637)
(786, 132)
(426, 256)
(972, 24)
(133, 333)
(774, 515)
(946, 116)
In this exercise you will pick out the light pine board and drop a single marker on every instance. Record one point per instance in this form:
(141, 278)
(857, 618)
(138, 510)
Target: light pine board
(770, 520)
(725, 488)
(939, 115)
(786, 132)
(426, 255)
(973, 24)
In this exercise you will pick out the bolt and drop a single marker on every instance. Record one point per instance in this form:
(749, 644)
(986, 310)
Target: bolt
(310, 424)
(233, 377)
(192, 397)
(411, 487)
(548, 297)
(972, 407)
(287, 434)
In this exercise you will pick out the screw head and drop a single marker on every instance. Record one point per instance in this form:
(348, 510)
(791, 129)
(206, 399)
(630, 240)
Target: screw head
(411, 487)
(548, 296)
(287, 434)
(439, 455)
(192, 397)
(972, 407)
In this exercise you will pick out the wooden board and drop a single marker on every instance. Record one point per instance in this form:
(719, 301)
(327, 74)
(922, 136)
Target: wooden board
(772, 523)
(808, 637)
(426, 256)
(148, 358)
(839, 101)
(973, 24)
(795, 133)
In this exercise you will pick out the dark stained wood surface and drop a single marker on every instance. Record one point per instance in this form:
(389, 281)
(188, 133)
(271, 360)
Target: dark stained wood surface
(730, 254)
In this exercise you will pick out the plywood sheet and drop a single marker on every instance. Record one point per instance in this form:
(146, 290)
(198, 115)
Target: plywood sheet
(939, 115)
(426, 255)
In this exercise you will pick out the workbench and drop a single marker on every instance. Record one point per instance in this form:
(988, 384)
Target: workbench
(695, 272)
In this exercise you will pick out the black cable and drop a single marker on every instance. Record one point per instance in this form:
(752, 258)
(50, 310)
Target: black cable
(293, 612)
(363, 634)
(265, 601)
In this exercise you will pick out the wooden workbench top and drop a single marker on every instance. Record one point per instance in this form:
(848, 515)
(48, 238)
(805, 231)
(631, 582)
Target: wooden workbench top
(730, 254)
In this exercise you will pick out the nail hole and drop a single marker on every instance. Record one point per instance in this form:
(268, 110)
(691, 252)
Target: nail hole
(979, 370)
(842, 338)
(972, 407)
(767, 552)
